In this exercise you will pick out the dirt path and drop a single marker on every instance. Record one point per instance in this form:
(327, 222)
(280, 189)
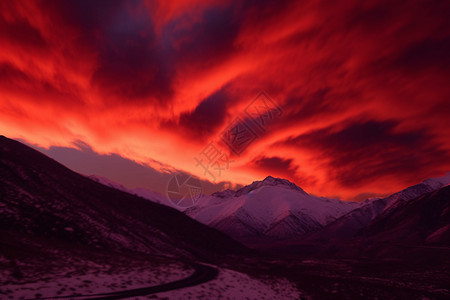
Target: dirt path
(202, 274)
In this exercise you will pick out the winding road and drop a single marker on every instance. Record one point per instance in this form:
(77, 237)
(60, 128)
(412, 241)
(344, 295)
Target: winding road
(202, 274)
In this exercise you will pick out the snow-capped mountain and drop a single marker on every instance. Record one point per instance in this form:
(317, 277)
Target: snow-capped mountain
(349, 224)
(414, 191)
(416, 231)
(424, 219)
(270, 209)
(278, 210)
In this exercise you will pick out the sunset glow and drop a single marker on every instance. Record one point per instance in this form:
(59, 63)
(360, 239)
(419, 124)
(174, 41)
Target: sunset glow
(362, 87)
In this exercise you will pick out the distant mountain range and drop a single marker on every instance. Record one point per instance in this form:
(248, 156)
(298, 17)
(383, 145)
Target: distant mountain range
(347, 226)
(269, 214)
(421, 220)
(275, 212)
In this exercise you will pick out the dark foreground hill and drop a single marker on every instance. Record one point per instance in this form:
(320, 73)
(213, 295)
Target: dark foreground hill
(50, 214)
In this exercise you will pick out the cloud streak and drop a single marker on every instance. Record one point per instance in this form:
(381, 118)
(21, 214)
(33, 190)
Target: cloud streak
(363, 86)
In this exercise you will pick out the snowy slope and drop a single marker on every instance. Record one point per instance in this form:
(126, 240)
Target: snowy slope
(414, 191)
(349, 224)
(424, 219)
(273, 208)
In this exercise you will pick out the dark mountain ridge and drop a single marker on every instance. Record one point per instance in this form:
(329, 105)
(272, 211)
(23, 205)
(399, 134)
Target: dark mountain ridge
(41, 197)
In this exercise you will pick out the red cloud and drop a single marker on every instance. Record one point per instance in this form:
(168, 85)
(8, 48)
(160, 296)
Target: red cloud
(360, 84)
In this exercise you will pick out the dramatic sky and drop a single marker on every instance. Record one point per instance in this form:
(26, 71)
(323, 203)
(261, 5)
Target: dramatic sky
(359, 90)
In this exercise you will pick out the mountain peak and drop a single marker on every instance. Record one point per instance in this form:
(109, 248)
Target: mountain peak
(269, 181)
(270, 178)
